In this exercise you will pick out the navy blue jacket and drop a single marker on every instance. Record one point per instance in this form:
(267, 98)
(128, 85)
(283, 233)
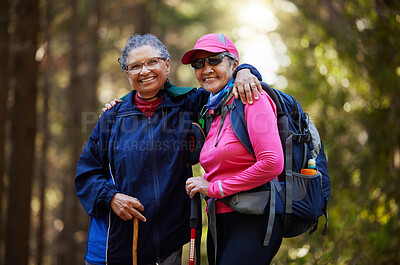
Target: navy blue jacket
(146, 158)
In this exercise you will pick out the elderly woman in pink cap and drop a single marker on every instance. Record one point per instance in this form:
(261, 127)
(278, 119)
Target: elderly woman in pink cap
(229, 167)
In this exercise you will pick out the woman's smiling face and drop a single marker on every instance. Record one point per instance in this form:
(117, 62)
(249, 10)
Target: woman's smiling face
(214, 78)
(148, 82)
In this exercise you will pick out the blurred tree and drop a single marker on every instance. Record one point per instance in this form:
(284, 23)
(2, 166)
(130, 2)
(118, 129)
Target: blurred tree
(4, 55)
(66, 245)
(43, 129)
(24, 86)
(82, 102)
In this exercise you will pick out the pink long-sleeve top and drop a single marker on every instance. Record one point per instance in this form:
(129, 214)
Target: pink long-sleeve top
(229, 166)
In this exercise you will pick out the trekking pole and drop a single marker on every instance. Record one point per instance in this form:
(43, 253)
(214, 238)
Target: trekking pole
(192, 245)
(195, 224)
(135, 239)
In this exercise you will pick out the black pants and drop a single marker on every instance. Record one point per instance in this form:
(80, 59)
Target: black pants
(240, 239)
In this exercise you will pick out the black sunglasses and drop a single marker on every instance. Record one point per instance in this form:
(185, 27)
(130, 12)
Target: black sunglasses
(212, 60)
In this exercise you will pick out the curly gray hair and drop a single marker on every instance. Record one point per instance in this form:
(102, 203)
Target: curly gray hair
(138, 41)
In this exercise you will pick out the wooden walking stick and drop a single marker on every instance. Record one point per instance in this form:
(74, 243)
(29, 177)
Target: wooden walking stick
(135, 239)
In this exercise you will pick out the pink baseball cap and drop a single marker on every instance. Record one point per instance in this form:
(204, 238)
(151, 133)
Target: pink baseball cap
(215, 43)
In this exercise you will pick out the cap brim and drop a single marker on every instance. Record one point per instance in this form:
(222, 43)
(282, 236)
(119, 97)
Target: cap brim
(187, 57)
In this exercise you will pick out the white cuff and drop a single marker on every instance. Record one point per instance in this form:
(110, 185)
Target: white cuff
(220, 188)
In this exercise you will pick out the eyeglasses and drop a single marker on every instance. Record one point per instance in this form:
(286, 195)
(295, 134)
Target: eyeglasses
(212, 60)
(150, 64)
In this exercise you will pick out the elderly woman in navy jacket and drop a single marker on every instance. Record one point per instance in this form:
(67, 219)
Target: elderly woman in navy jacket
(135, 163)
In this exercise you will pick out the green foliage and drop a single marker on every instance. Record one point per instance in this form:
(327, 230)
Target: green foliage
(345, 71)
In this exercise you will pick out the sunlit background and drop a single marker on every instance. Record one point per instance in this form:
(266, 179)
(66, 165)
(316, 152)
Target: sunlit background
(253, 31)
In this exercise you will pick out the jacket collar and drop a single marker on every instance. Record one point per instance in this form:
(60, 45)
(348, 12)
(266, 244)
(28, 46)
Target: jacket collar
(171, 98)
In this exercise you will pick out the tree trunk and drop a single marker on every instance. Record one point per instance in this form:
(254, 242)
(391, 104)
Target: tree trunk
(24, 85)
(42, 181)
(69, 205)
(42, 177)
(93, 55)
(84, 61)
(4, 21)
(85, 115)
(144, 18)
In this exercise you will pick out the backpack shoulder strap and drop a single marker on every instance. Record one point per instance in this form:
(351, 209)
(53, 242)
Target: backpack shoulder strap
(239, 125)
(238, 119)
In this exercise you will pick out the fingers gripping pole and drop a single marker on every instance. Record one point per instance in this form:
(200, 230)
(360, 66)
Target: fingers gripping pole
(135, 239)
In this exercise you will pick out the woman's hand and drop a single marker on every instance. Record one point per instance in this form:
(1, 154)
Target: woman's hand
(197, 184)
(245, 85)
(126, 207)
(111, 104)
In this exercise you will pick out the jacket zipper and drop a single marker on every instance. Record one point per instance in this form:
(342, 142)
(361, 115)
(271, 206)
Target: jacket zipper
(156, 187)
(155, 177)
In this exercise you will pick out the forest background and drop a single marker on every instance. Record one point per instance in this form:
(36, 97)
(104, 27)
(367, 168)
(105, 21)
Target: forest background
(58, 65)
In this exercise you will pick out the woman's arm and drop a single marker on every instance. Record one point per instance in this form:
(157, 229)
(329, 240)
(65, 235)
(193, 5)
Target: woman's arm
(92, 181)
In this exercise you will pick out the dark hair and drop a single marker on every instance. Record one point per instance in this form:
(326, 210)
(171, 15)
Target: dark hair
(138, 41)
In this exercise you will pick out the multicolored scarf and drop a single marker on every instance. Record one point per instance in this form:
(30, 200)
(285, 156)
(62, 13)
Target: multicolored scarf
(215, 101)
